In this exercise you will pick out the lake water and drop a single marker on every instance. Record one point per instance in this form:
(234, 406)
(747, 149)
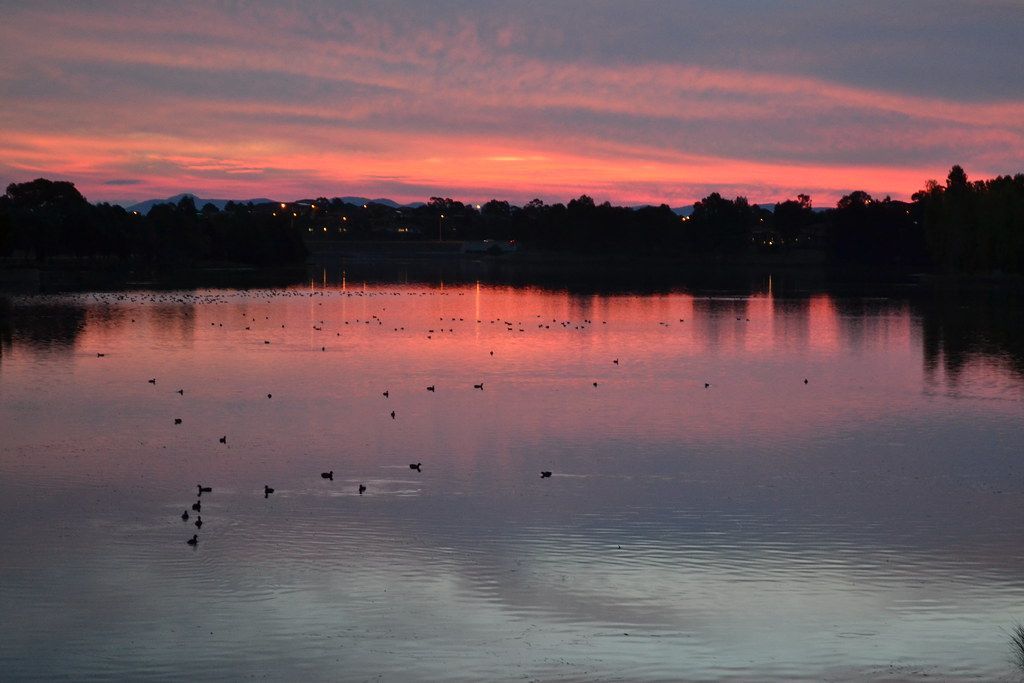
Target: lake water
(710, 514)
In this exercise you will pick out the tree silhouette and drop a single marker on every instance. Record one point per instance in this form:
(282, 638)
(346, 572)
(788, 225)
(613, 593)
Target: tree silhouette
(6, 231)
(959, 225)
(974, 226)
(792, 218)
(40, 193)
(720, 225)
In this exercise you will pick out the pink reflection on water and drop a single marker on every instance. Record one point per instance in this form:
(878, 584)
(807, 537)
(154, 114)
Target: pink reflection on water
(823, 324)
(333, 350)
(674, 506)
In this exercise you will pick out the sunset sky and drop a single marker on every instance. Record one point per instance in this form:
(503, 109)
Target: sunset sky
(630, 102)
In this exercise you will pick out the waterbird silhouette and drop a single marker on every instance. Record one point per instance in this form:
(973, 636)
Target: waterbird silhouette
(430, 388)
(193, 541)
(385, 394)
(328, 475)
(197, 506)
(479, 386)
(223, 439)
(177, 420)
(100, 355)
(416, 466)
(707, 385)
(361, 489)
(267, 491)
(199, 523)
(204, 489)
(595, 384)
(184, 516)
(545, 474)
(616, 361)
(805, 380)
(152, 381)
(270, 395)
(181, 392)
(392, 415)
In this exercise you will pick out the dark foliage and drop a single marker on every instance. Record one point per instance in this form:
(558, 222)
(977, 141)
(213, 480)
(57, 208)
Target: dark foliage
(47, 219)
(961, 226)
(975, 226)
(867, 231)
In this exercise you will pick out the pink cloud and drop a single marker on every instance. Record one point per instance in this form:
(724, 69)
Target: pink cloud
(340, 98)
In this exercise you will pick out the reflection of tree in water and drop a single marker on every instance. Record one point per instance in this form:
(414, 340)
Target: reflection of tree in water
(174, 319)
(959, 329)
(715, 317)
(107, 317)
(872, 320)
(594, 276)
(5, 327)
(41, 327)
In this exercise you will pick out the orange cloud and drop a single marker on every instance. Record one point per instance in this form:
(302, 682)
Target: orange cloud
(280, 104)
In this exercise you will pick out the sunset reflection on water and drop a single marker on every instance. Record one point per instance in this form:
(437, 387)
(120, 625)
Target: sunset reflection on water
(852, 526)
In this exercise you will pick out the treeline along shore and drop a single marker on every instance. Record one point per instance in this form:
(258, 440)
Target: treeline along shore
(955, 226)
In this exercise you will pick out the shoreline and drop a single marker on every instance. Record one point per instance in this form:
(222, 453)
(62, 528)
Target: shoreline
(67, 275)
(802, 264)
(445, 261)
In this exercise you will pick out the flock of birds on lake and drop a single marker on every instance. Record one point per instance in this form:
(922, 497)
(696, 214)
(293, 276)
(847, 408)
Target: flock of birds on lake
(374, 319)
(197, 507)
(267, 490)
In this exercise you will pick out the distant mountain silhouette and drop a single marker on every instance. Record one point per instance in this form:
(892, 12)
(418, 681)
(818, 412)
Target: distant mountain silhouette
(144, 206)
(688, 210)
(677, 210)
(365, 200)
(381, 200)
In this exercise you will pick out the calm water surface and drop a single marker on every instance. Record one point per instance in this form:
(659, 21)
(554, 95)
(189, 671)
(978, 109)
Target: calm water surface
(866, 524)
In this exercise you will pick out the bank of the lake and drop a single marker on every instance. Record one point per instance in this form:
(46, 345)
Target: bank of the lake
(450, 261)
(64, 274)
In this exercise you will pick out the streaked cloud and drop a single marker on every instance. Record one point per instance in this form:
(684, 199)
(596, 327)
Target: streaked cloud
(647, 103)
